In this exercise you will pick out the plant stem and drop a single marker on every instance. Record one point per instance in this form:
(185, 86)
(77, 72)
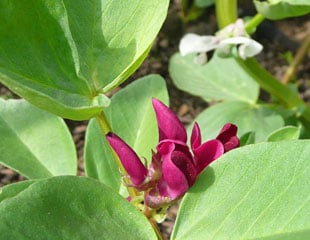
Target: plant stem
(156, 229)
(251, 25)
(226, 12)
(301, 53)
(269, 83)
(106, 128)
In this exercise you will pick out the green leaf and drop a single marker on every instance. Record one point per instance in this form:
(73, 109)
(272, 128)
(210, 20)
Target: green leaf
(247, 138)
(284, 133)
(261, 119)
(260, 191)
(132, 117)
(33, 142)
(69, 208)
(60, 55)
(204, 3)
(279, 9)
(219, 79)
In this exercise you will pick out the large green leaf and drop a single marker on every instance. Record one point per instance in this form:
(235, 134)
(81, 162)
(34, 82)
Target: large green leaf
(33, 142)
(278, 9)
(260, 191)
(69, 208)
(261, 119)
(63, 55)
(132, 117)
(219, 79)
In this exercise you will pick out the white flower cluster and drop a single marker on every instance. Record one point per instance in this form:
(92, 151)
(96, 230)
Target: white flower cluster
(232, 35)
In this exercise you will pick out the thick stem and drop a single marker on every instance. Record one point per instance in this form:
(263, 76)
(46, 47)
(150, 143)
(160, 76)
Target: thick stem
(226, 12)
(251, 25)
(106, 128)
(270, 84)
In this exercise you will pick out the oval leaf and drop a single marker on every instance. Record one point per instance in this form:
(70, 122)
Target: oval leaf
(69, 208)
(260, 191)
(132, 117)
(279, 9)
(60, 55)
(33, 142)
(285, 133)
(210, 81)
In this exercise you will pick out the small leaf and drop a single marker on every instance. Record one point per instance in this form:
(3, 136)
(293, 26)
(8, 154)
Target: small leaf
(219, 79)
(261, 119)
(33, 142)
(247, 138)
(285, 133)
(260, 191)
(69, 208)
(132, 117)
(279, 9)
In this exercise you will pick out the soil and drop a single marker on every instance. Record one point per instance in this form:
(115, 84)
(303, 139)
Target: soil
(278, 38)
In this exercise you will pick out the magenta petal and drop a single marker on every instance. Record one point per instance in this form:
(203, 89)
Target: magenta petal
(228, 137)
(174, 182)
(131, 162)
(196, 136)
(169, 126)
(207, 153)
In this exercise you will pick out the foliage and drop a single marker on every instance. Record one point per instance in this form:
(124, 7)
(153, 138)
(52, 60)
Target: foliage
(64, 57)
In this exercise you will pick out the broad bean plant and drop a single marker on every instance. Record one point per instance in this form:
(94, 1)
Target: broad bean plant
(239, 171)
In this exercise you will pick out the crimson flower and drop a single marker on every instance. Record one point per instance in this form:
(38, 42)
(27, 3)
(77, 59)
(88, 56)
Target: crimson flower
(175, 166)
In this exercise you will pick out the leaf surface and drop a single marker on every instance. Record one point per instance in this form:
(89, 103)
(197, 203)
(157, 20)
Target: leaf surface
(63, 55)
(219, 79)
(279, 9)
(260, 191)
(69, 207)
(35, 143)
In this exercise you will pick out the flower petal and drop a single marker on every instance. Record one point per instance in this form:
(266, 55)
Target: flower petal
(178, 171)
(250, 49)
(235, 41)
(169, 126)
(196, 136)
(193, 43)
(207, 153)
(131, 162)
(228, 137)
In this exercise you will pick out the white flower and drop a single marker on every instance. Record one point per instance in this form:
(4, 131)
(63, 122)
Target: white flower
(247, 46)
(194, 43)
(232, 35)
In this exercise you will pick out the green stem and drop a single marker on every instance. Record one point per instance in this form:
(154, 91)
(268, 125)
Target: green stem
(103, 123)
(270, 84)
(251, 25)
(106, 128)
(226, 12)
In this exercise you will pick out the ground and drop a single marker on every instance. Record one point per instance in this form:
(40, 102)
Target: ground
(277, 37)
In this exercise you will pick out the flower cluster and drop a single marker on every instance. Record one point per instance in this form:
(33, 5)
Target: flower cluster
(233, 34)
(174, 166)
